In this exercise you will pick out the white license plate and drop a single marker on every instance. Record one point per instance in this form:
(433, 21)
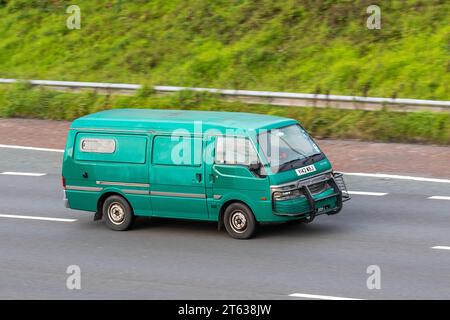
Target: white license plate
(305, 170)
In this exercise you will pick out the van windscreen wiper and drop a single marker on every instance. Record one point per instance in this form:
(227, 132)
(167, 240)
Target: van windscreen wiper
(304, 161)
(314, 157)
(290, 163)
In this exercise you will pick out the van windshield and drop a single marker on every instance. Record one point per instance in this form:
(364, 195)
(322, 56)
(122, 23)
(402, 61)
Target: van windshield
(288, 148)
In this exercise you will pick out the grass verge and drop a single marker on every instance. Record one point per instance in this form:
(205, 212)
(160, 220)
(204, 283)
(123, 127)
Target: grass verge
(24, 101)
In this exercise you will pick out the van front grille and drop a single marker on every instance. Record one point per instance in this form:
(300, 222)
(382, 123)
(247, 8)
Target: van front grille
(317, 187)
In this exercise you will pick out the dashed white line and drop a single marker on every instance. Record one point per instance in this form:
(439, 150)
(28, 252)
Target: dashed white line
(29, 148)
(394, 176)
(314, 296)
(364, 193)
(14, 216)
(440, 248)
(29, 174)
(439, 198)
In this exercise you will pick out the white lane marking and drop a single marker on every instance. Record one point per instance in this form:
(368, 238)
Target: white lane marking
(364, 193)
(439, 198)
(29, 148)
(30, 174)
(14, 216)
(440, 248)
(393, 176)
(314, 296)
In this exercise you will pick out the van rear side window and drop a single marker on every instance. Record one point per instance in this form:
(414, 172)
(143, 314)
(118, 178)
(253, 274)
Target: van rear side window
(111, 148)
(98, 145)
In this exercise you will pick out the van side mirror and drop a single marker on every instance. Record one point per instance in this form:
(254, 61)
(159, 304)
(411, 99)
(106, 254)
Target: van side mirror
(254, 166)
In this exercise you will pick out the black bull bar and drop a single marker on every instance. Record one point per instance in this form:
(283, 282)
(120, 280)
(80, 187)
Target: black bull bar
(336, 182)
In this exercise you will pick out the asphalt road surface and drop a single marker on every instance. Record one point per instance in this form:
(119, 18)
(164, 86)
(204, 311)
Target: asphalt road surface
(396, 226)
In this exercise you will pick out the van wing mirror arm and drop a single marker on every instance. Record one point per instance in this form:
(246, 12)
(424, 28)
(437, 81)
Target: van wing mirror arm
(255, 166)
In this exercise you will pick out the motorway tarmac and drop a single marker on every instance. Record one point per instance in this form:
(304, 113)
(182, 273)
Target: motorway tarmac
(172, 259)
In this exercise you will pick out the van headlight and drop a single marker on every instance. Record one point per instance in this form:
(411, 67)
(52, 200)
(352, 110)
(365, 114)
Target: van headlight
(286, 195)
(280, 195)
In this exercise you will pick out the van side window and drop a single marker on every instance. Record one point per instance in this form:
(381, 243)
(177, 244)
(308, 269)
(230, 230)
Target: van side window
(177, 150)
(235, 151)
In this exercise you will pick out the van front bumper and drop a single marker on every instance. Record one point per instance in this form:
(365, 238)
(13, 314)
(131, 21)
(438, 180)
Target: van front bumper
(308, 204)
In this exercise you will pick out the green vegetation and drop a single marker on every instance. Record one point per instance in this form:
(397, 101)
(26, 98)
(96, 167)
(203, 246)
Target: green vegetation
(425, 127)
(317, 46)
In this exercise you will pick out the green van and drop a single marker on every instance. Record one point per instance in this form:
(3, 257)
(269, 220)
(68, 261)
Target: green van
(238, 169)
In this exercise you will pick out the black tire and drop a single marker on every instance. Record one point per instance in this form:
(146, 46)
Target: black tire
(239, 221)
(118, 213)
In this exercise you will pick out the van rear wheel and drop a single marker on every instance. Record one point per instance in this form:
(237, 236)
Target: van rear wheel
(239, 221)
(118, 213)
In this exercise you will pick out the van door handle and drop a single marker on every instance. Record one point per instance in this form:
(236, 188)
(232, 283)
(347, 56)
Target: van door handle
(198, 176)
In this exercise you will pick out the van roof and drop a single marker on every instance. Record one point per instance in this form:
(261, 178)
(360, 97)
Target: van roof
(168, 120)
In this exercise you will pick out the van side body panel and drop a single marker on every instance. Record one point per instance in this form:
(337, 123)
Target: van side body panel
(89, 176)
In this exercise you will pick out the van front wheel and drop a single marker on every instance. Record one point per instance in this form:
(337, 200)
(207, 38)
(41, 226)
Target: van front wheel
(239, 221)
(118, 213)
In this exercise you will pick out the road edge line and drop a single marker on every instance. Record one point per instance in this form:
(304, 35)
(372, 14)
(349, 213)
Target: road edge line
(394, 176)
